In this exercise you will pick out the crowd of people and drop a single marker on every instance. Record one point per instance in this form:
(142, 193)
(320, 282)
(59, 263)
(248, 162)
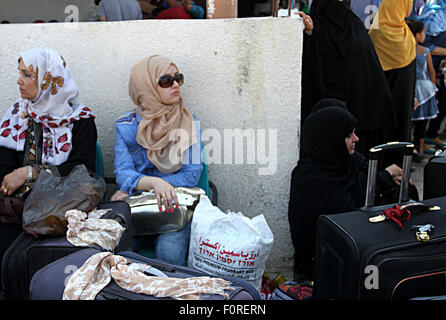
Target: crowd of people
(126, 10)
(123, 10)
(361, 87)
(363, 84)
(49, 128)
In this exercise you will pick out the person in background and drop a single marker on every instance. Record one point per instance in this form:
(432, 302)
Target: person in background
(365, 10)
(160, 6)
(417, 7)
(425, 89)
(195, 10)
(339, 61)
(435, 25)
(179, 9)
(118, 10)
(246, 8)
(146, 8)
(396, 49)
(147, 157)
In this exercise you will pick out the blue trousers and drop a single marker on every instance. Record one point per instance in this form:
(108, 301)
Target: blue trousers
(171, 247)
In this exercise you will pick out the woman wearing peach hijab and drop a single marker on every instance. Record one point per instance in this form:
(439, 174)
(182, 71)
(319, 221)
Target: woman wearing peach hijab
(158, 147)
(395, 46)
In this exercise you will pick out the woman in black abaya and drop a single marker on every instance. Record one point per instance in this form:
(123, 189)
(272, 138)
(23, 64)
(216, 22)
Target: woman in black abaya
(330, 178)
(339, 61)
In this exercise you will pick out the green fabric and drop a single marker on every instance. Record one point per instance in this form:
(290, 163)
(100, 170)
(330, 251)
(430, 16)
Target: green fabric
(203, 183)
(148, 251)
(99, 161)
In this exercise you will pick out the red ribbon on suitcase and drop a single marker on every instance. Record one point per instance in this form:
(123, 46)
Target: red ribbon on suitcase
(397, 214)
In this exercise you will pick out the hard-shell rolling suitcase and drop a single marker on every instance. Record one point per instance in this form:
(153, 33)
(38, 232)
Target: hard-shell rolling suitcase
(360, 259)
(49, 282)
(26, 254)
(434, 177)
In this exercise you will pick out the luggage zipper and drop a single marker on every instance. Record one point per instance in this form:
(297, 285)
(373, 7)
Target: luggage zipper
(235, 292)
(239, 282)
(397, 247)
(242, 285)
(109, 293)
(415, 277)
(402, 246)
(412, 277)
(117, 294)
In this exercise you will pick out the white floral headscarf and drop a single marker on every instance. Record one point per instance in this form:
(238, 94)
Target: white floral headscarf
(56, 107)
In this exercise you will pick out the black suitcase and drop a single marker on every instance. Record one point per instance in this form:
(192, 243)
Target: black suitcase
(26, 254)
(49, 282)
(360, 260)
(434, 178)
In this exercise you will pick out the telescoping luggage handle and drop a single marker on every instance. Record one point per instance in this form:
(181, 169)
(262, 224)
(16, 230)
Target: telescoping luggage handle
(406, 148)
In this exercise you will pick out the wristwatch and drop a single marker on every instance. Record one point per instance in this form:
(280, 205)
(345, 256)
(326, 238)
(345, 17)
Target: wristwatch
(29, 178)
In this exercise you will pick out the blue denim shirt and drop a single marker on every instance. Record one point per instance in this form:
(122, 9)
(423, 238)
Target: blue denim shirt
(131, 162)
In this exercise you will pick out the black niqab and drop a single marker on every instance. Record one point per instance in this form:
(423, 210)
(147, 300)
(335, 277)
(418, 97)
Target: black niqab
(325, 181)
(339, 61)
(326, 161)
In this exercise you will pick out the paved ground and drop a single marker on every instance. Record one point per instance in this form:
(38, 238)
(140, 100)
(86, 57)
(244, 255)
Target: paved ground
(417, 175)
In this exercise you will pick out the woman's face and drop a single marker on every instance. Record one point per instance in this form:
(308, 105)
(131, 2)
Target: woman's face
(170, 95)
(350, 142)
(27, 85)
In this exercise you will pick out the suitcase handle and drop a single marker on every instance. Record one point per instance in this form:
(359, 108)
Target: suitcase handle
(407, 149)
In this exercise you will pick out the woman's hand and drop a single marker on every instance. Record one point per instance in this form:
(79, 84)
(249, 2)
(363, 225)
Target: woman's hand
(308, 22)
(415, 103)
(396, 173)
(164, 191)
(14, 180)
(165, 194)
(119, 195)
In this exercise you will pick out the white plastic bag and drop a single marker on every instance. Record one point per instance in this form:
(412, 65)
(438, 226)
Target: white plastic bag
(229, 244)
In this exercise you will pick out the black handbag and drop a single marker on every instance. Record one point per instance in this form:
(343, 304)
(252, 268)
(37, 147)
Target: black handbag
(11, 209)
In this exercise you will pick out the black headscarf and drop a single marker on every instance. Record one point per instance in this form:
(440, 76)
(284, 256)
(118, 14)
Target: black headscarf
(329, 102)
(326, 180)
(325, 153)
(339, 61)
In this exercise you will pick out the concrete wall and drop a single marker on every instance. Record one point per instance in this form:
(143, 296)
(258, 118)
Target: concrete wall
(239, 74)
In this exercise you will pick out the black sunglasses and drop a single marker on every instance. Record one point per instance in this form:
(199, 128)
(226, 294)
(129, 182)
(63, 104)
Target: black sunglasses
(167, 80)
